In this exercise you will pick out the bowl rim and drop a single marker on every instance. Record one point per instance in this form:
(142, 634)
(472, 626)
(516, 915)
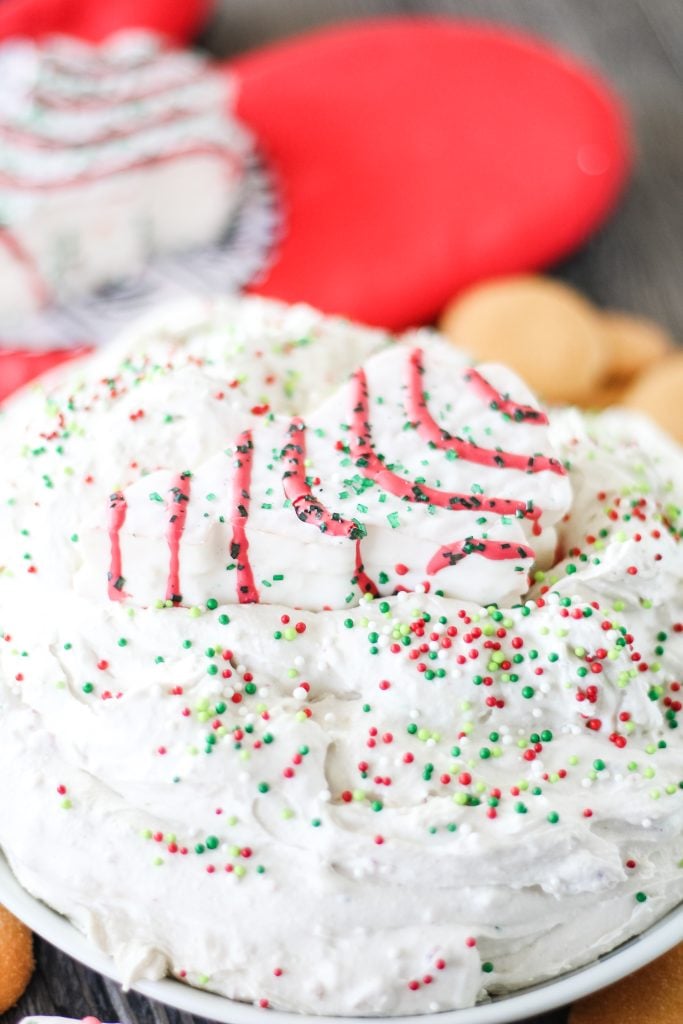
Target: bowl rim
(547, 995)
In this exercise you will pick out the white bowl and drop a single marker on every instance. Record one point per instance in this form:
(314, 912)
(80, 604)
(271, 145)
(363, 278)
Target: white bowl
(537, 999)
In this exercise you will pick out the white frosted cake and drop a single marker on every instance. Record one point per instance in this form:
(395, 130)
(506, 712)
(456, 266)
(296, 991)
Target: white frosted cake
(110, 155)
(336, 675)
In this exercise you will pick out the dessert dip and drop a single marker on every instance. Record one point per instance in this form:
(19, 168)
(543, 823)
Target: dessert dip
(336, 674)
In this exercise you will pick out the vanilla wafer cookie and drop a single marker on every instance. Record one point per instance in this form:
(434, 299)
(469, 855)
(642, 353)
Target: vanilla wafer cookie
(544, 330)
(16, 959)
(653, 995)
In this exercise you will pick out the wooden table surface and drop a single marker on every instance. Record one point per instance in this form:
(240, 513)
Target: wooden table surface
(634, 263)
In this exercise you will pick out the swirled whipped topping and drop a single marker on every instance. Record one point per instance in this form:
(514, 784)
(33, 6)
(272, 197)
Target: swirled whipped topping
(403, 803)
(110, 155)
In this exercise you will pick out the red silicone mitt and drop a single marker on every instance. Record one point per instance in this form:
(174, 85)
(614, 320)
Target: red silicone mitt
(18, 366)
(414, 156)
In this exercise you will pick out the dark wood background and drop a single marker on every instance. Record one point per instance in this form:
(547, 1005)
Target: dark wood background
(634, 263)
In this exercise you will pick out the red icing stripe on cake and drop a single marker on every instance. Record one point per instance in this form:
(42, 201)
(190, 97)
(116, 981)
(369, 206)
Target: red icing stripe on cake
(117, 517)
(495, 551)
(176, 505)
(241, 500)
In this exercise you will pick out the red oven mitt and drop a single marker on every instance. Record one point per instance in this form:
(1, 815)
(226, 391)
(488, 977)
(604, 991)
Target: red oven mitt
(413, 156)
(18, 366)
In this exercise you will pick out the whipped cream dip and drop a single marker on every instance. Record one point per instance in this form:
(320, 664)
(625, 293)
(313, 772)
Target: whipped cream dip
(382, 723)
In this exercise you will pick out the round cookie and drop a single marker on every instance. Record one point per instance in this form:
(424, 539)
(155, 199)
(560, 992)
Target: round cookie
(658, 394)
(653, 995)
(633, 343)
(542, 329)
(16, 959)
(606, 393)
